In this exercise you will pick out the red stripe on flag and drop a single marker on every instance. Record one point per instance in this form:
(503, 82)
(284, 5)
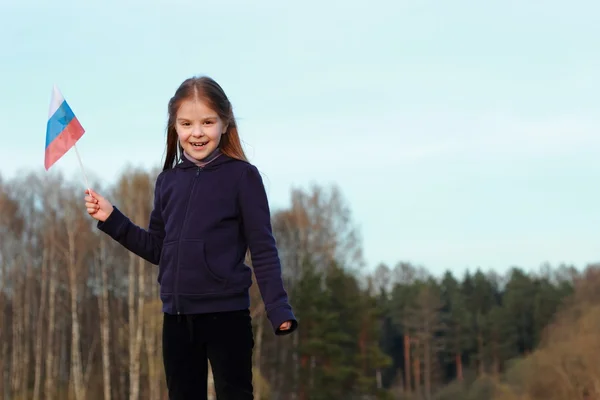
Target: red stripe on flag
(63, 142)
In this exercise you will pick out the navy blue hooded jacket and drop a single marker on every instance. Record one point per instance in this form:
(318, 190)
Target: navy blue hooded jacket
(204, 219)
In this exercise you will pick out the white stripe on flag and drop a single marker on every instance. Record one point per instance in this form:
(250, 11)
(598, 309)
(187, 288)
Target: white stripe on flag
(55, 102)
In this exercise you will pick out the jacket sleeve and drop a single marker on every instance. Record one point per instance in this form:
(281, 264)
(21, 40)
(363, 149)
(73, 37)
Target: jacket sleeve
(144, 243)
(256, 221)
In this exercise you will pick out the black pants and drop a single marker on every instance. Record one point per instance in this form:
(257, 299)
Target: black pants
(225, 339)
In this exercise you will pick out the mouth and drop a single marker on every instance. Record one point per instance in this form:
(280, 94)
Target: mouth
(198, 145)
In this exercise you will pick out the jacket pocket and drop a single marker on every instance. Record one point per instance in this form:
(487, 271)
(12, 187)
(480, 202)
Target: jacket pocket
(196, 275)
(166, 267)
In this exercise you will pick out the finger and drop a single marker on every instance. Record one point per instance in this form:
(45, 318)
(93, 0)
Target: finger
(93, 194)
(92, 210)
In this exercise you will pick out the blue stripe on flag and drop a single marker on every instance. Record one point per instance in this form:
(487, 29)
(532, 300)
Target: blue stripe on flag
(58, 122)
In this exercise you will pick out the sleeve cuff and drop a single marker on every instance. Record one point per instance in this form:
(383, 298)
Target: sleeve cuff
(280, 315)
(114, 223)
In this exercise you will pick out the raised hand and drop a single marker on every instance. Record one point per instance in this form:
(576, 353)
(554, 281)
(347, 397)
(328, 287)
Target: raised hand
(97, 206)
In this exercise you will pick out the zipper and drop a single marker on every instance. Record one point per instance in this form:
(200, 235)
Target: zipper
(187, 206)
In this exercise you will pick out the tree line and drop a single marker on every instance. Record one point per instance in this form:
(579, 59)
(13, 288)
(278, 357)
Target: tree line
(81, 318)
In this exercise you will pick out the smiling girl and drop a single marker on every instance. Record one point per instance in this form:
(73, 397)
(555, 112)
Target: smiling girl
(210, 207)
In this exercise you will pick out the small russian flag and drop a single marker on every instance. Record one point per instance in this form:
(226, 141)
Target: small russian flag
(63, 129)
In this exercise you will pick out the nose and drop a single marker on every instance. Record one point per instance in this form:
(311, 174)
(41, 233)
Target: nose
(197, 131)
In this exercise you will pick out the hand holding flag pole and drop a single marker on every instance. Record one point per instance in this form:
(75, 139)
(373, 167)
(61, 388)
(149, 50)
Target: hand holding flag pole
(63, 130)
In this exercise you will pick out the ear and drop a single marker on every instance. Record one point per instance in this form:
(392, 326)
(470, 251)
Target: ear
(225, 127)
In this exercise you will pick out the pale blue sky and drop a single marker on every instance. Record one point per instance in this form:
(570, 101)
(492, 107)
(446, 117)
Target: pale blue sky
(462, 133)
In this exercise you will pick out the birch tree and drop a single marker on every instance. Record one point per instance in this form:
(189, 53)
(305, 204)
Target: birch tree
(136, 191)
(11, 228)
(74, 253)
(104, 307)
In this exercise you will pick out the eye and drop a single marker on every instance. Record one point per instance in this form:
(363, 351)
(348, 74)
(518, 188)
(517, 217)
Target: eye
(208, 122)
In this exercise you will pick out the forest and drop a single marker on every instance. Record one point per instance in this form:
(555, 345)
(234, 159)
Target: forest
(81, 318)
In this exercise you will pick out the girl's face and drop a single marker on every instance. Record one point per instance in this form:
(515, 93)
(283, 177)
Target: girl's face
(199, 128)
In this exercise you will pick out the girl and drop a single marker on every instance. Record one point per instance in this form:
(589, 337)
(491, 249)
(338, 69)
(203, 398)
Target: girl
(210, 206)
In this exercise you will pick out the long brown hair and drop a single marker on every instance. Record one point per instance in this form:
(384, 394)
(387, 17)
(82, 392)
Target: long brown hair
(207, 90)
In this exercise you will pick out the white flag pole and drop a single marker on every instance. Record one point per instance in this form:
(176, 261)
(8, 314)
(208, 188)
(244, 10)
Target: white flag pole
(82, 169)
